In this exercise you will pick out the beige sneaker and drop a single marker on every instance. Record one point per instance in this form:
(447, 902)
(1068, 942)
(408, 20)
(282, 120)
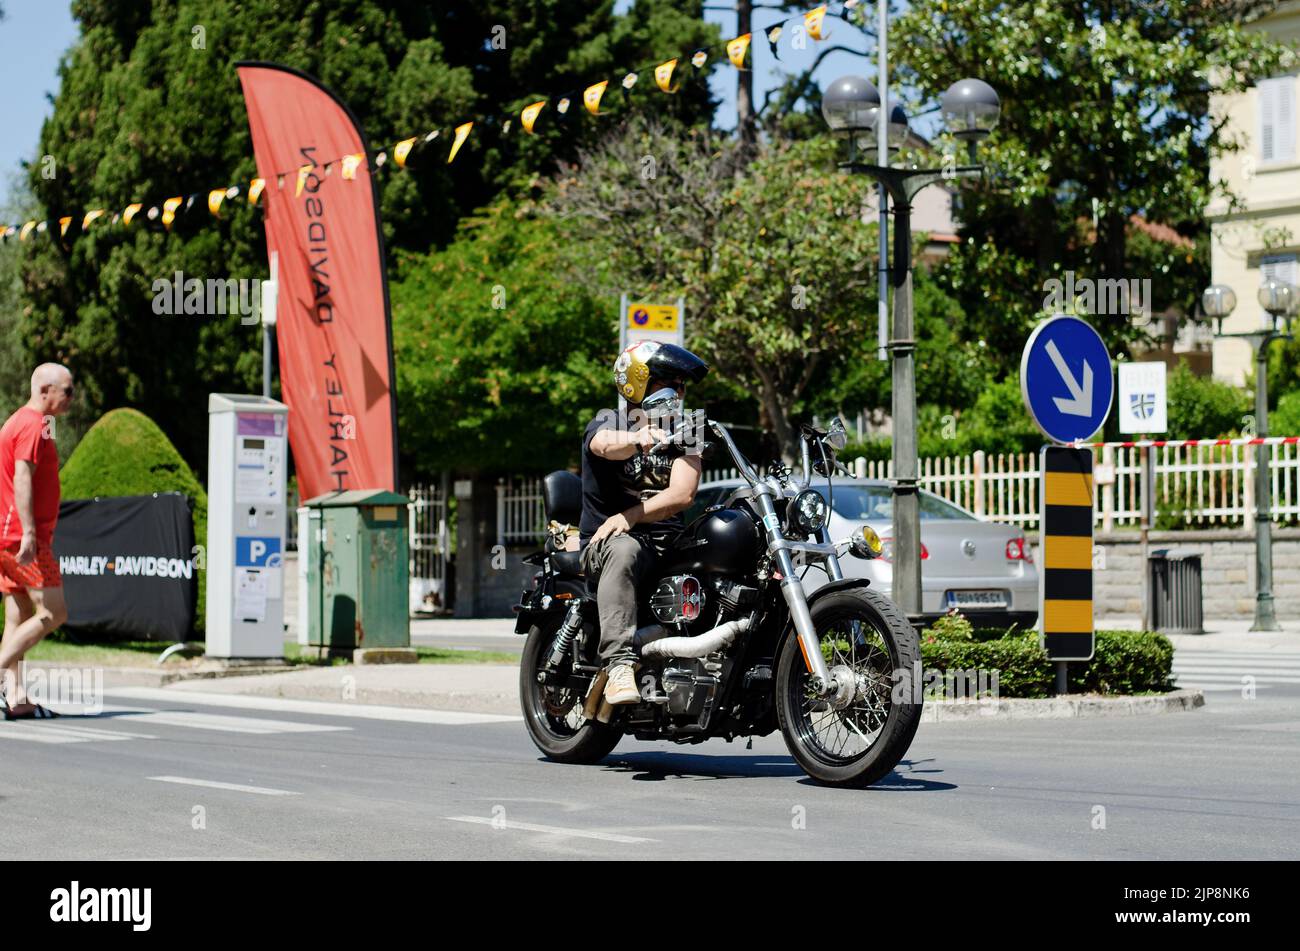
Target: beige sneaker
(621, 686)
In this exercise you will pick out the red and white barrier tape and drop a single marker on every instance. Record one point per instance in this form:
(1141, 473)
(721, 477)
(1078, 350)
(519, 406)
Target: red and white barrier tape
(1176, 443)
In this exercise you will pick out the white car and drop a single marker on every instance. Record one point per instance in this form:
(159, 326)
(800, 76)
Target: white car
(983, 569)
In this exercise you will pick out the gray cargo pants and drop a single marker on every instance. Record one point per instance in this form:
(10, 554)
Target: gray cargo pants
(619, 563)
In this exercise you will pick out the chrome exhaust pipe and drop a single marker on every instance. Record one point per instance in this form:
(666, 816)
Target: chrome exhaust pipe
(699, 646)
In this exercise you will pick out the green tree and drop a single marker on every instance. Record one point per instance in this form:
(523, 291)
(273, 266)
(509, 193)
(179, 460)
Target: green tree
(149, 106)
(1105, 115)
(15, 371)
(776, 268)
(1203, 408)
(501, 355)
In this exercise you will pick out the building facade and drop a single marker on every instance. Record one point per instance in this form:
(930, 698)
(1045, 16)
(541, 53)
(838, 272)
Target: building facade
(1258, 236)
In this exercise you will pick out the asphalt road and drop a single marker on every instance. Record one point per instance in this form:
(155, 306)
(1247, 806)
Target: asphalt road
(1216, 783)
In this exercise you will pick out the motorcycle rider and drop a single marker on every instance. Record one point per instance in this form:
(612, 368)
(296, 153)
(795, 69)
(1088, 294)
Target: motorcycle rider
(633, 494)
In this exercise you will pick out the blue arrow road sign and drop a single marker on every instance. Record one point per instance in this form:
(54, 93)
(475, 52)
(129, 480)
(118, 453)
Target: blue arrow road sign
(1066, 380)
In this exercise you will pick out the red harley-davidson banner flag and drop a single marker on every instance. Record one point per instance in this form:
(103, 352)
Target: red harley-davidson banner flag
(333, 325)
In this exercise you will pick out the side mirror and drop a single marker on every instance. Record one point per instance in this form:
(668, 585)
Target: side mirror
(837, 437)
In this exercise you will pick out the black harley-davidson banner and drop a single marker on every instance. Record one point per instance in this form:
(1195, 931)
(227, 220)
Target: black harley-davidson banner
(128, 565)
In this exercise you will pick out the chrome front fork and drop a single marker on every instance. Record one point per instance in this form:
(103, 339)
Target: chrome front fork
(792, 589)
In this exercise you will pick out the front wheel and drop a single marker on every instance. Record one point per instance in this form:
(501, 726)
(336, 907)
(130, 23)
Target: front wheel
(553, 714)
(861, 733)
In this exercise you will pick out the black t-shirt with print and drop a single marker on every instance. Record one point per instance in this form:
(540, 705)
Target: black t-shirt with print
(611, 486)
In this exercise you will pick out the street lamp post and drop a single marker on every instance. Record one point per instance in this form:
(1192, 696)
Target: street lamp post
(851, 107)
(1278, 298)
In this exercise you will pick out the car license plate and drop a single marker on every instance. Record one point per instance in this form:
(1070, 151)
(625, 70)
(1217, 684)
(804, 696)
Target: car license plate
(977, 599)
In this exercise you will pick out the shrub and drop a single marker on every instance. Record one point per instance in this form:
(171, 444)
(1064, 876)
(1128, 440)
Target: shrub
(1203, 408)
(953, 626)
(1125, 662)
(125, 453)
(1285, 420)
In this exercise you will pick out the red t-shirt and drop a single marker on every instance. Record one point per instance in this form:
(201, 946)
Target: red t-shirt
(24, 439)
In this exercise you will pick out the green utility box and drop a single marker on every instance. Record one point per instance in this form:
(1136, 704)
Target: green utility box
(357, 571)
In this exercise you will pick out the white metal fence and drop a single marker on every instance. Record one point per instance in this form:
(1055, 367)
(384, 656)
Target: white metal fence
(521, 518)
(1205, 486)
(1201, 486)
(428, 528)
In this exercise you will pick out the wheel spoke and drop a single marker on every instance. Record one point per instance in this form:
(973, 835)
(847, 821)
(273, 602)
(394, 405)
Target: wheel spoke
(847, 733)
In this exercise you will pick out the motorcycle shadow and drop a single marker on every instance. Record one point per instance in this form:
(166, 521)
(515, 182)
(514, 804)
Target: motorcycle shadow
(661, 766)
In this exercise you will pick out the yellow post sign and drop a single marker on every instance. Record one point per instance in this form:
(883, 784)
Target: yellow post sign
(662, 318)
(1066, 615)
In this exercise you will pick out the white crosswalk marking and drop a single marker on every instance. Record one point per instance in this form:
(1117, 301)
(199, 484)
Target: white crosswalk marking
(90, 729)
(1223, 671)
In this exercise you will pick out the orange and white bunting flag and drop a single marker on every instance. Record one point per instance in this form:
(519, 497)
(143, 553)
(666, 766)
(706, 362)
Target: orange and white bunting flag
(402, 149)
(736, 50)
(130, 212)
(528, 118)
(462, 133)
(169, 211)
(562, 106)
(699, 58)
(812, 22)
(27, 229)
(303, 172)
(255, 190)
(351, 163)
(63, 225)
(664, 75)
(215, 198)
(89, 217)
(591, 96)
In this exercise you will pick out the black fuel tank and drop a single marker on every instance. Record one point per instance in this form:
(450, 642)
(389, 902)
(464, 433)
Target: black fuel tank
(723, 542)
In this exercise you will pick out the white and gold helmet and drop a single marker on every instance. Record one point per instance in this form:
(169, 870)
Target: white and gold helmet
(646, 362)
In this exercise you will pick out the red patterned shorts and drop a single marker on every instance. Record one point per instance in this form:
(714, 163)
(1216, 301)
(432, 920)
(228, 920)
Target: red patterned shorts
(41, 572)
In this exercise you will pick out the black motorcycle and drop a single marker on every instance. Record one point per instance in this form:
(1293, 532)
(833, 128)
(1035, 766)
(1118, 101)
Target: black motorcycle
(729, 643)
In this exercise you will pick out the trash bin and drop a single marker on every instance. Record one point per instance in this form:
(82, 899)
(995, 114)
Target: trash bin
(1175, 587)
(357, 571)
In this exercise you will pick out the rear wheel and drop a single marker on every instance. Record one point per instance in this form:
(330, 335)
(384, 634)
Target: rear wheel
(553, 714)
(861, 733)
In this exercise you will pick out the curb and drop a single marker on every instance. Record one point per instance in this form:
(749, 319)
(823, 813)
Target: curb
(1061, 708)
(161, 677)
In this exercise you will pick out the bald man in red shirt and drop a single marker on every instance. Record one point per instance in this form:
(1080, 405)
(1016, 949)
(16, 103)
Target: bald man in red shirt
(29, 508)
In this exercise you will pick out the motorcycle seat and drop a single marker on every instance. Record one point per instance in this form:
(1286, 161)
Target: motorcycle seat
(567, 563)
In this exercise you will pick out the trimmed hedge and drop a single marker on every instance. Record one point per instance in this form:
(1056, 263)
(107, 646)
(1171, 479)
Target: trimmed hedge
(125, 453)
(1126, 662)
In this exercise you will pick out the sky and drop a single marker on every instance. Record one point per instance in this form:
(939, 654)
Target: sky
(35, 33)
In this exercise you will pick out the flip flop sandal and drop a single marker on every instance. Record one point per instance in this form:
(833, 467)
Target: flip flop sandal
(37, 712)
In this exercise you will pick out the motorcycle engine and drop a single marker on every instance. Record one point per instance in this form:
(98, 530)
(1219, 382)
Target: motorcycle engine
(690, 687)
(678, 599)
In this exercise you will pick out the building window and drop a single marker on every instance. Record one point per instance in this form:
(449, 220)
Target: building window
(1277, 119)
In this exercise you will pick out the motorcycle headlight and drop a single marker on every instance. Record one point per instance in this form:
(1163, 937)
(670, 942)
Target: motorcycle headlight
(808, 512)
(865, 543)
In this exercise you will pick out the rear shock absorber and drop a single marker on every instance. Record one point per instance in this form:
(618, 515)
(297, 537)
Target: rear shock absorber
(563, 640)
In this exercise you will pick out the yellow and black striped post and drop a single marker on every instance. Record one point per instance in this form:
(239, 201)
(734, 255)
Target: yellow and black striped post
(1065, 604)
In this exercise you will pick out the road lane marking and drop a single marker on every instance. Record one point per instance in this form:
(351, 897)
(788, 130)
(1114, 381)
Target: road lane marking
(549, 830)
(232, 787)
(222, 724)
(325, 708)
(56, 735)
